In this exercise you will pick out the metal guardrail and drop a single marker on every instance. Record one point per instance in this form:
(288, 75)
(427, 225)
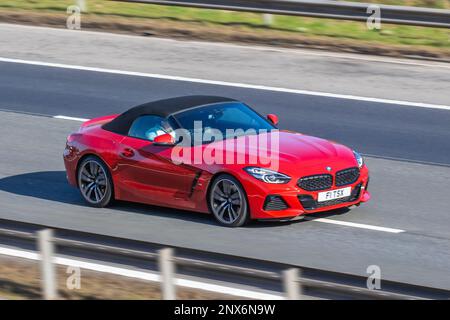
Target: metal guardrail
(291, 277)
(356, 11)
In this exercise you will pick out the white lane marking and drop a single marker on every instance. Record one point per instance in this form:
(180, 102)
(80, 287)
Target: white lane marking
(19, 253)
(430, 163)
(229, 84)
(148, 276)
(355, 225)
(71, 118)
(298, 51)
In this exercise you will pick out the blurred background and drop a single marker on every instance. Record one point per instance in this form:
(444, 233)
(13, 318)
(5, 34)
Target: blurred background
(242, 27)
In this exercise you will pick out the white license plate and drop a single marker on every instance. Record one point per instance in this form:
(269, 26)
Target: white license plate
(334, 194)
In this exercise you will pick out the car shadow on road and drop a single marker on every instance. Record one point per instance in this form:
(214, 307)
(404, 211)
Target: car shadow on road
(53, 186)
(47, 185)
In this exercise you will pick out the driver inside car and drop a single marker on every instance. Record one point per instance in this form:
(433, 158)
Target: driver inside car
(159, 129)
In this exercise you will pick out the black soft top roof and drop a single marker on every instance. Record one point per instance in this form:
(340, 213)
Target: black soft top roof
(163, 108)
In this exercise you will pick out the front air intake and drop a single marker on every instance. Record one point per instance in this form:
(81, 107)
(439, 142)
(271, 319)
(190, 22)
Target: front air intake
(316, 182)
(347, 176)
(275, 203)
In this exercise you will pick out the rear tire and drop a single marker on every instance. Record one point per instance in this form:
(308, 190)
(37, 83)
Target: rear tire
(228, 201)
(94, 182)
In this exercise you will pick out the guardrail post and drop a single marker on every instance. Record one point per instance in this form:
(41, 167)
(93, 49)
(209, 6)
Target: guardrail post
(268, 19)
(291, 284)
(48, 274)
(82, 5)
(167, 272)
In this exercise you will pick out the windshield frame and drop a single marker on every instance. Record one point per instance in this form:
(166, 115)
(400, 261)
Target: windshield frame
(173, 118)
(174, 115)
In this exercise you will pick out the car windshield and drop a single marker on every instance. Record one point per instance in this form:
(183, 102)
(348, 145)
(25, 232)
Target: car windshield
(228, 119)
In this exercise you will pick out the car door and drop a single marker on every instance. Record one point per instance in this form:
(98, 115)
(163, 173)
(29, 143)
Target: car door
(146, 171)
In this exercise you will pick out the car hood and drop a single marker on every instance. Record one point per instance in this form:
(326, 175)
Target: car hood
(309, 150)
(298, 154)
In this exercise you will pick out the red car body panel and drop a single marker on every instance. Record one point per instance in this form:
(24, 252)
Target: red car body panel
(144, 172)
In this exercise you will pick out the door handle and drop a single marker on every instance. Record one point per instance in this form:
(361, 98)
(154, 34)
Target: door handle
(127, 153)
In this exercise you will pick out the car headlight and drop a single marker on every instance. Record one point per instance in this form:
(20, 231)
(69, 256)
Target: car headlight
(268, 176)
(359, 159)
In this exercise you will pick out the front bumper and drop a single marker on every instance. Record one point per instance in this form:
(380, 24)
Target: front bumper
(290, 201)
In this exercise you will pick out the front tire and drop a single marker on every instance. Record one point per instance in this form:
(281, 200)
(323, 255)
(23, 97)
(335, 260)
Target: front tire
(94, 182)
(228, 201)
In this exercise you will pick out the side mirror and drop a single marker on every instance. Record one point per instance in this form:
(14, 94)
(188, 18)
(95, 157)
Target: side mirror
(273, 118)
(164, 140)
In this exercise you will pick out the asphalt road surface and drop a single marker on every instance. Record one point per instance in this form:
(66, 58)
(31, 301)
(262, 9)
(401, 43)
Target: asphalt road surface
(410, 80)
(404, 229)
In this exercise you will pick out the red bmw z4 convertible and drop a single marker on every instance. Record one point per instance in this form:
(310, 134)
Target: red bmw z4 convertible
(213, 155)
